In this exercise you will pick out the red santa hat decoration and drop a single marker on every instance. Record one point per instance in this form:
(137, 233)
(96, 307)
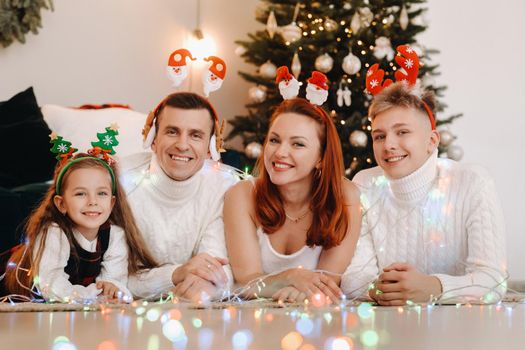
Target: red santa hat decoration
(212, 80)
(177, 68)
(288, 85)
(408, 60)
(316, 90)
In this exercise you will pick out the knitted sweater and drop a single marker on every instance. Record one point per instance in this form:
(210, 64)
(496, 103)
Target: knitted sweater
(445, 219)
(178, 219)
(54, 281)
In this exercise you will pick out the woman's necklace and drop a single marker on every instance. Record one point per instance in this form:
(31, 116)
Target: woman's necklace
(297, 219)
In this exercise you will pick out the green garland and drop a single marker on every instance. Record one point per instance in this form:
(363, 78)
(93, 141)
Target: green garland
(18, 17)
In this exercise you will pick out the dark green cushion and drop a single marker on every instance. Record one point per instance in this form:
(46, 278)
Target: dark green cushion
(24, 136)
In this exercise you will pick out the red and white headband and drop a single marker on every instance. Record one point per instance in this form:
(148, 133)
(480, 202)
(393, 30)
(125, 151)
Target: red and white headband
(316, 90)
(177, 71)
(409, 62)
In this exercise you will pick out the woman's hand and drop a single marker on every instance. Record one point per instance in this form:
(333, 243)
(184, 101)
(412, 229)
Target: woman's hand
(311, 283)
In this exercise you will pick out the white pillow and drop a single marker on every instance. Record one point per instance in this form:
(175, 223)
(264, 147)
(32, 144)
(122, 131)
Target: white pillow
(80, 126)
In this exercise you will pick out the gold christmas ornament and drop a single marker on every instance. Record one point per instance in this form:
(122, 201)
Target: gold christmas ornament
(330, 25)
(403, 18)
(351, 64)
(324, 63)
(253, 150)
(257, 94)
(296, 65)
(291, 33)
(455, 152)
(358, 138)
(446, 138)
(271, 25)
(268, 70)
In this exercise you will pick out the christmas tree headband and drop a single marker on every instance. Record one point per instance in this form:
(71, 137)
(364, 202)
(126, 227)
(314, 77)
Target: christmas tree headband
(408, 60)
(100, 152)
(177, 70)
(316, 90)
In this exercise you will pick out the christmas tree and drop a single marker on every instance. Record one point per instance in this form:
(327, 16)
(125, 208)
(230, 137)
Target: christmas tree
(107, 140)
(62, 148)
(342, 39)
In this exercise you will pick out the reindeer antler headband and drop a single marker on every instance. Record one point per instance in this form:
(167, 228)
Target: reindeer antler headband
(409, 62)
(177, 71)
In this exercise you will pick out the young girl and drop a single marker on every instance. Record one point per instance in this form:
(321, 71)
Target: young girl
(82, 240)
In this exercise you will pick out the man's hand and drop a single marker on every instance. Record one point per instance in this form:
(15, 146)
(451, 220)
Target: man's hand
(401, 282)
(195, 289)
(205, 266)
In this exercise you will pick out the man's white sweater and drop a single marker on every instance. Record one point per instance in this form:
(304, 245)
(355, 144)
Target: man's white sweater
(178, 219)
(445, 219)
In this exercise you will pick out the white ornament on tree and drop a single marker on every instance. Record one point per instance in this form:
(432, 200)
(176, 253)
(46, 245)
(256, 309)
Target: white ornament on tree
(358, 138)
(257, 94)
(455, 152)
(403, 18)
(446, 138)
(347, 96)
(355, 23)
(296, 65)
(253, 150)
(324, 63)
(351, 64)
(271, 25)
(291, 33)
(347, 6)
(383, 49)
(366, 16)
(268, 70)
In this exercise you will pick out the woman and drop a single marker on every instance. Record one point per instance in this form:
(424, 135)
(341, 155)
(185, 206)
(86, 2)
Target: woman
(298, 215)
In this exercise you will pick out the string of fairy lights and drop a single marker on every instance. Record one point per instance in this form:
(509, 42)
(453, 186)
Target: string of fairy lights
(254, 288)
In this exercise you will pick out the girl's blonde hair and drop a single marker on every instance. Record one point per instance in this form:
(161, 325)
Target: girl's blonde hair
(24, 265)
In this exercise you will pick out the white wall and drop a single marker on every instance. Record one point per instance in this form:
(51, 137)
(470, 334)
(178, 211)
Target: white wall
(115, 51)
(481, 61)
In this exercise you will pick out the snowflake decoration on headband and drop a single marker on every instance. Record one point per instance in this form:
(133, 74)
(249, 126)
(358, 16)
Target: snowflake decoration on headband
(104, 146)
(316, 89)
(408, 61)
(62, 148)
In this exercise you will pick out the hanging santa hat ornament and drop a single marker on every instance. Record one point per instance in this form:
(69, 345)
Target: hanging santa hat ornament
(317, 88)
(408, 60)
(288, 85)
(212, 80)
(177, 68)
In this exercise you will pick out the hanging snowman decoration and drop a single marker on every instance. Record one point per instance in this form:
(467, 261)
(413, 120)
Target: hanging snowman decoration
(177, 68)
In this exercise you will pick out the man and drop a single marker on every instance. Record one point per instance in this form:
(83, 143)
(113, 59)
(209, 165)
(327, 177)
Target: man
(176, 195)
(432, 228)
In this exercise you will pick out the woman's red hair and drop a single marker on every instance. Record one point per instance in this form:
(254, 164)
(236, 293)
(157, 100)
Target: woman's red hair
(330, 218)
